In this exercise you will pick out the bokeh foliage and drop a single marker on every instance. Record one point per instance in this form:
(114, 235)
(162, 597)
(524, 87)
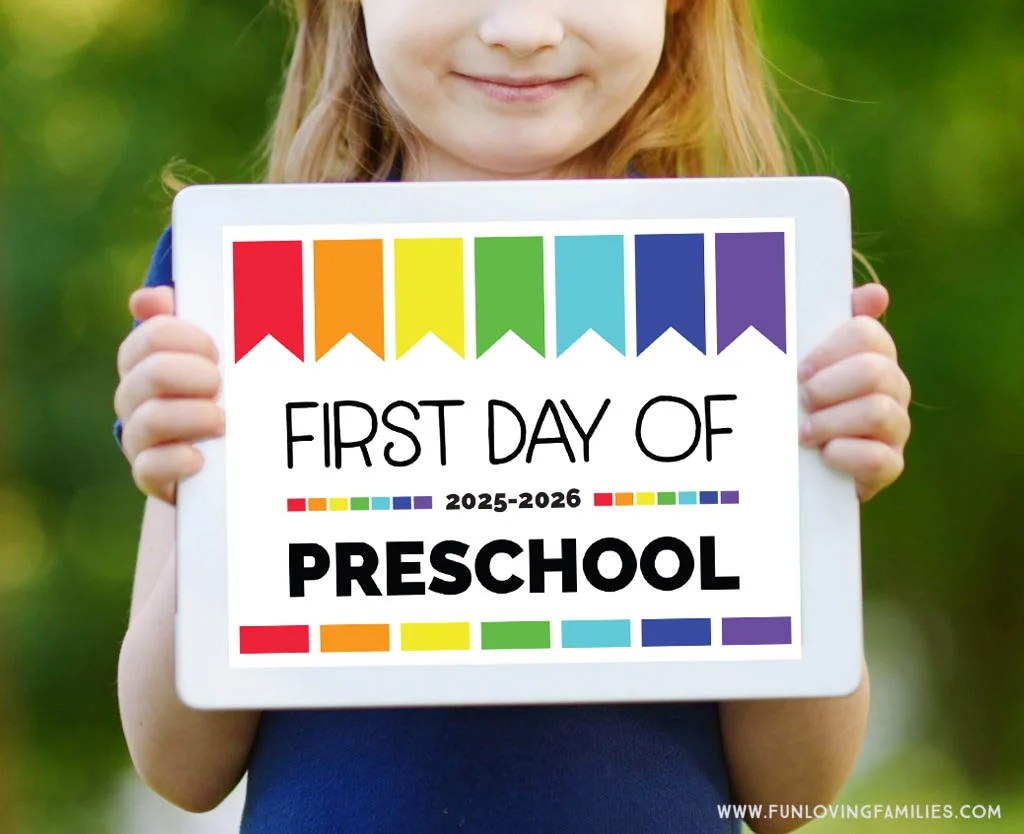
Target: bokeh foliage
(916, 105)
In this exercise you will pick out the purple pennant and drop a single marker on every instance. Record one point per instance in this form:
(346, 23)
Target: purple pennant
(751, 286)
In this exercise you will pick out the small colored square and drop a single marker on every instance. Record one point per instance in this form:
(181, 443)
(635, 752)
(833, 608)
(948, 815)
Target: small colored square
(423, 502)
(360, 503)
(645, 499)
(339, 505)
(401, 502)
(602, 499)
(296, 505)
(666, 499)
(623, 499)
(317, 505)
(731, 497)
(709, 498)
(380, 503)
(687, 497)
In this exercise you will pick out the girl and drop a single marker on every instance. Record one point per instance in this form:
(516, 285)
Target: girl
(495, 89)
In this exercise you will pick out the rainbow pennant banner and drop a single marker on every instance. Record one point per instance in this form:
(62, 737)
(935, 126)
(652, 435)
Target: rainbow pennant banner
(588, 274)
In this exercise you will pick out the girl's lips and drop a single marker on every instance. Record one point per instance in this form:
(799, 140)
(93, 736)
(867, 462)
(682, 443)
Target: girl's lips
(518, 90)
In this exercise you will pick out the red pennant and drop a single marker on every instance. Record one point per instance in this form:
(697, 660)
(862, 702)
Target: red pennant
(268, 295)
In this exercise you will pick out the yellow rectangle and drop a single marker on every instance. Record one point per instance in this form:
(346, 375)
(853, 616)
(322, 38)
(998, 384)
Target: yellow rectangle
(435, 637)
(429, 295)
(339, 504)
(645, 499)
(315, 505)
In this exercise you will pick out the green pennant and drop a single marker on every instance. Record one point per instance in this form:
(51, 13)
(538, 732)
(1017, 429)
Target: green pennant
(509, 290)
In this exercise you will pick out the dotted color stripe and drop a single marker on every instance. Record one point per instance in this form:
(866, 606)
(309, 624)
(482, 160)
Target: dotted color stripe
(360, 503)
(665, 499)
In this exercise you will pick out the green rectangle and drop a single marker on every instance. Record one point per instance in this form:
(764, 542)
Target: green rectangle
(360, 503)
(509, 290)
(666, 498)
(515, 635)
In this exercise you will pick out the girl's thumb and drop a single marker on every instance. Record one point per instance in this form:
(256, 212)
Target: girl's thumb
(151, 301)
(870, 300)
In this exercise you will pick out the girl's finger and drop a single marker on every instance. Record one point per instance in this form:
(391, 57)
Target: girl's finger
(876, 417)
(151, 301)
(855, 376)
(163, 333)
(870, 300)
(164, 374)
(157, 470)
(860, 334)
(161, 421)
(873, 464)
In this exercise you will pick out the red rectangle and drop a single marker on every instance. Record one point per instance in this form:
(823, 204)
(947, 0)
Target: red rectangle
(296, 505)
(602, 499)
(274, 639)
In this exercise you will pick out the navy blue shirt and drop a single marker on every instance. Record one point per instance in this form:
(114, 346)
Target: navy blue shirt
(622, 769)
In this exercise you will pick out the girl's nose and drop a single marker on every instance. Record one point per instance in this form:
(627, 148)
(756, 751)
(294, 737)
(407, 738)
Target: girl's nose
(521, 27)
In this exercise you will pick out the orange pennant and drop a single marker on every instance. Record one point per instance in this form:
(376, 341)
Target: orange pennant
(348, 293)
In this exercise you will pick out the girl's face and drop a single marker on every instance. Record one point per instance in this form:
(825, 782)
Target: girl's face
(511, 88)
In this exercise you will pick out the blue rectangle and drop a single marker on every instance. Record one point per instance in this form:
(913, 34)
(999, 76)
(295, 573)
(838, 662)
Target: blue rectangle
(687, 497)
(383, 503)
(595, 634)
(670, 289)
(680, 632)
(709, 498)
(401, 502)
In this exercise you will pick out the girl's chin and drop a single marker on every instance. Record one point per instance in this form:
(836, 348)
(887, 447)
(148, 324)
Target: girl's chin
(513, 162)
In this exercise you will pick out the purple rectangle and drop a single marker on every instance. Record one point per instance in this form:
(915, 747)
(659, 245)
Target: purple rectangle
(756, 631)
(423, 502)
(730, 497)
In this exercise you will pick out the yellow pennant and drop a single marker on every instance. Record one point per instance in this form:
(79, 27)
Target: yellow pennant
(429, 293)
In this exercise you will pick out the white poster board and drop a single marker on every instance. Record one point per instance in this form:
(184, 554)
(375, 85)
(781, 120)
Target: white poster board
(498, 449)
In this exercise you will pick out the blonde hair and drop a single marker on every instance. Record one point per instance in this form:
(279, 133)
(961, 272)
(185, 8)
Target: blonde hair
(709, 110)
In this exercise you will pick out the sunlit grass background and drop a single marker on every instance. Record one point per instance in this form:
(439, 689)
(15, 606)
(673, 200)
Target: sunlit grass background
(916, 105)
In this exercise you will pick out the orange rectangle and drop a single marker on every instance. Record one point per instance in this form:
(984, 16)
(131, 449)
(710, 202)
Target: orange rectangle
(355, 638)
(316, 505)
(623, 499)
(348, 293)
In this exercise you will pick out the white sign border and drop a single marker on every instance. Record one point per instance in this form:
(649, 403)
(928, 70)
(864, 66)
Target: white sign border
(829, 531)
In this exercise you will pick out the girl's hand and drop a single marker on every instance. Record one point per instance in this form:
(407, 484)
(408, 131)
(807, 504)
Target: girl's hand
(166, 396)
(856, 397)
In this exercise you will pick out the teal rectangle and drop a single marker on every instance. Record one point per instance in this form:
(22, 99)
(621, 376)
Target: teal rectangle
(382, 503)
(590, 290)
(687, 497)
(595, 634)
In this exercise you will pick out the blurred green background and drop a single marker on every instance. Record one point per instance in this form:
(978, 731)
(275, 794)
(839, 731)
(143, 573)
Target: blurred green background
(916, 105)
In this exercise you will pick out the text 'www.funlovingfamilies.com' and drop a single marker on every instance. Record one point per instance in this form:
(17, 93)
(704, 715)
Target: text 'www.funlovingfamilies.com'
(910, 812)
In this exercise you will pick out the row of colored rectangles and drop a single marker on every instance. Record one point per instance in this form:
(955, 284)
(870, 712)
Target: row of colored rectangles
(509, 290)
(379, 502)
(531, 634)
(651, 499)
